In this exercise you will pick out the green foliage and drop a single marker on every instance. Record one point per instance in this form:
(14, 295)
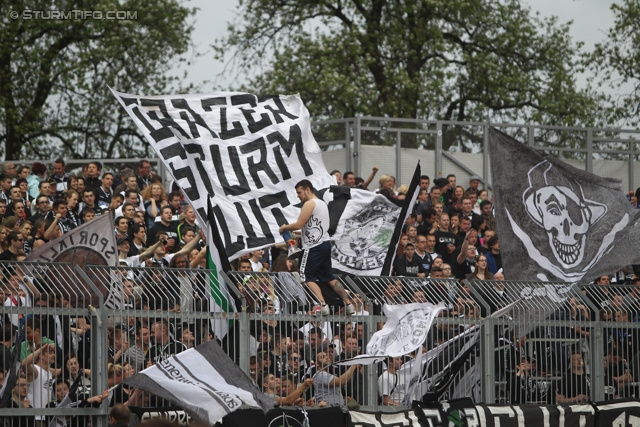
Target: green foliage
(617, 61)
(467, 60)
(55, 75)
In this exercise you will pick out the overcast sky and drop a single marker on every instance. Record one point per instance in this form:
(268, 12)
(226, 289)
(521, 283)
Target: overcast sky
(591, 19)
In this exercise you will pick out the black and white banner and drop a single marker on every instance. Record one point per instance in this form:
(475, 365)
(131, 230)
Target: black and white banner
(556, 222)
(363, 233)
(93, 243)
(243, 152)
(406, 418)
(404, 331)
(204, 381)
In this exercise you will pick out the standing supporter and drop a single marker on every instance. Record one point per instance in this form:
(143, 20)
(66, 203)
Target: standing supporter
(15, 241)
(494, 259)
(390, 384)
(188, 218)
(104, 193)
(327, 386)
(3, 208)
(486, 210)
(71, 196)
(6, 182)
(154, 198)
(445, 240)
(464, 256)
(316, 259)
(175, 201)
(60, 176)
(167, 227)
(21, 183)
(38, 174)
(92, 180)
(4, 232)
(80, 184)
(474, 182)
(143, 179)
(41, 376)
(163, 346)
(42, 209)
(574, 387)
(409, 265)
(88, 200)
(121, 227)
(137, 238)
(20, 400)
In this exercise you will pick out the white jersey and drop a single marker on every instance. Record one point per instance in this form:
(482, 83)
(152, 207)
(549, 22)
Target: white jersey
(42, 389)
(316, 229)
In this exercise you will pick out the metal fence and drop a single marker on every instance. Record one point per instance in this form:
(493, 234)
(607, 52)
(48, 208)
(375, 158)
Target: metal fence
(444, 147)
(538, 342)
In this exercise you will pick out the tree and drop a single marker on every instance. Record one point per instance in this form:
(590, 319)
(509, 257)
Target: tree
(617, 60)
(467, 60)
(56, 68)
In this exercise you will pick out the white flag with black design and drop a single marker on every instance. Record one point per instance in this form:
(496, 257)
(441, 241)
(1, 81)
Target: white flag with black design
(556, 222)
(204, 381)
(244, 153)
(404, 331)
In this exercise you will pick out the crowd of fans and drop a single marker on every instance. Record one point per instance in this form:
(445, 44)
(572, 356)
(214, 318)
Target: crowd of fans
(450, 234)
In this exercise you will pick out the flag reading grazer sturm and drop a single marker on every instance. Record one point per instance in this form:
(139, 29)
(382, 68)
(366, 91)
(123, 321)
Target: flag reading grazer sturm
(204, 381)
(244, 153)
(556, 222)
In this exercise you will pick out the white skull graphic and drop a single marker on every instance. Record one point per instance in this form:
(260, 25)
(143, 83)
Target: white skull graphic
(566, 219)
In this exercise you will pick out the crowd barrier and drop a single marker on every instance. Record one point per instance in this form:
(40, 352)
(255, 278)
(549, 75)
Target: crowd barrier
(529, 332)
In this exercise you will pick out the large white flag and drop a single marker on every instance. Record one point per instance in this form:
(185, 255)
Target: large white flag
(204, 381)
(243, 153)
(404, 331)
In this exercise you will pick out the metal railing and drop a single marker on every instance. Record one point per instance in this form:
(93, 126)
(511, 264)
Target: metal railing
(114, 322)
(460, 148)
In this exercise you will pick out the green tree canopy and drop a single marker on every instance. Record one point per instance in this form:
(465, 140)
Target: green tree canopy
(431, 59)
(55, 73)
(617, 60)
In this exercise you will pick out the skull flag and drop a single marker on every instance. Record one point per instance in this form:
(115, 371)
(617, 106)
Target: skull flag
(556, 222)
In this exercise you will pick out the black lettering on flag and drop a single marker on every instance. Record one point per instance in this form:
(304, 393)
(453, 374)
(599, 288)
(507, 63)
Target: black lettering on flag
(197, 149)
(230, 247)
(225, 132)
(139, 114)
(197, 118)
(178, 150)
(256, 126)
(295, 139)
(262, 165)
(253, 241)
(230, 190)
(244, 98)
(279, 111)
(276, 199)
(166, 120)
(282, 165)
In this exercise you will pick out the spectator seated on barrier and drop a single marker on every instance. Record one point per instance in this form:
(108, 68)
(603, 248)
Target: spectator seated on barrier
(574, 386)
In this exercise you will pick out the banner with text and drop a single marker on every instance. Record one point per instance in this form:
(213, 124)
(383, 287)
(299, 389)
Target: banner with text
(243, 152)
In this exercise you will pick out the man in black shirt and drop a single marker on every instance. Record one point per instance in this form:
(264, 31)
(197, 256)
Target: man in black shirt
(165, 226)
(164, 347)
(16, 244)
(409, 265)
